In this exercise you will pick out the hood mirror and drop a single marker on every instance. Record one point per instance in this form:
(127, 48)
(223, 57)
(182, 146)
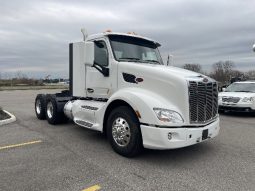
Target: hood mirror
(170, 60)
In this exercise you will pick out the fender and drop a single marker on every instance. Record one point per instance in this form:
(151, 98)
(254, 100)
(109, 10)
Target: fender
(144, 101)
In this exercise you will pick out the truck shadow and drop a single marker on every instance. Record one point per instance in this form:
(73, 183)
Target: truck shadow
(185, 154)
(181, 154)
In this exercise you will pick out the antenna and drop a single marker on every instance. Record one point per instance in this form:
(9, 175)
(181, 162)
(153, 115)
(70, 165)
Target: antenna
(84, 33)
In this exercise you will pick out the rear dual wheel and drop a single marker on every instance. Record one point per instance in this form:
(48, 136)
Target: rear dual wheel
(40, 103)
(54, 116)
(46, 107)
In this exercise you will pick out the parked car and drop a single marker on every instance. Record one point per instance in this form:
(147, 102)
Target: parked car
(239, 96)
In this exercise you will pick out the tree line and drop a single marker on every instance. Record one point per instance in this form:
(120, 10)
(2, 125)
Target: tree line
(21, 79)
(222, 71)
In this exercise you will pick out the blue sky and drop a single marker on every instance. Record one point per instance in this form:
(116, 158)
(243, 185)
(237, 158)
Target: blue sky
(34, 35)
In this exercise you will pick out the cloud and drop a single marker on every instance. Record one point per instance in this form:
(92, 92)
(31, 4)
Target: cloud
(34, 35)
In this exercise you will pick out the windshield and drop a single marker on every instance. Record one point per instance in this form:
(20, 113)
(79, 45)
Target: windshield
(132, 49)
(241, 87)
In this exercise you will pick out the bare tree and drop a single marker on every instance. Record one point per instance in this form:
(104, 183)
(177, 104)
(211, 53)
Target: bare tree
(20, 75)
(237, 73)
(223, 71)
(250, 75)
(193, 67)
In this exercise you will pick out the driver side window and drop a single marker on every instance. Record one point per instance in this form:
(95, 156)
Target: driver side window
(101, 53)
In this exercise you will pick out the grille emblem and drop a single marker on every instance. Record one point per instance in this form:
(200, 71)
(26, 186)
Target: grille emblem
(205, 80)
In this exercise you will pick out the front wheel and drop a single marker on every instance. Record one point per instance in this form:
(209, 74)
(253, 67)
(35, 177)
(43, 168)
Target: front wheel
(123, 132)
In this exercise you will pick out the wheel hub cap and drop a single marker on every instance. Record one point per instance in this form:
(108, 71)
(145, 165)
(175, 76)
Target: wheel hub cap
(121, 132)
(50, 110)
(38, 106)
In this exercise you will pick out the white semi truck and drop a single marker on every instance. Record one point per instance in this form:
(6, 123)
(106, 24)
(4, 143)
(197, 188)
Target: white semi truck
(119, 86)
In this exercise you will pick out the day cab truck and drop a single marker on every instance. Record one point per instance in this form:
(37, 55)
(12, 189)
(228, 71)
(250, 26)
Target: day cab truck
(119, 86)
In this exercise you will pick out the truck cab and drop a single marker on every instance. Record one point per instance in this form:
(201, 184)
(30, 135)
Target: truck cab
(120, 86)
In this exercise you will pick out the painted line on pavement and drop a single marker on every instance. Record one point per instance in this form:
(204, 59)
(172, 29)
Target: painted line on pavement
(93, 188)
(19, 145)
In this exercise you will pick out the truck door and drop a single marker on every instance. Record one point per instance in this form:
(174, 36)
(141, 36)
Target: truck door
(98, 85)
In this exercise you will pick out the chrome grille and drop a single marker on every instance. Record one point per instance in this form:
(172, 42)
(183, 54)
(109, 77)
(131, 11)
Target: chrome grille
(203, 101)
(231, 99)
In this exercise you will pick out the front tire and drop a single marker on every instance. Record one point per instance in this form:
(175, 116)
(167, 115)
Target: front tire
(123, 132)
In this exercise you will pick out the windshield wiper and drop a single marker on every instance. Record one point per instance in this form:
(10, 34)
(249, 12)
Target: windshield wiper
(152, 61)
(130, 59)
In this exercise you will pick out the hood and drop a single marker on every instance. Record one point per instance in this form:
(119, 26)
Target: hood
(167, 83)
(168, 70)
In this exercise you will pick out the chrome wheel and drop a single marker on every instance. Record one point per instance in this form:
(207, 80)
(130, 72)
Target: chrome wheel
(121, 132)
(38, 106)
(50, 109)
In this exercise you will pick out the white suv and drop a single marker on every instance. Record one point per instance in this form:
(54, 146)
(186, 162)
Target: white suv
(239, 96)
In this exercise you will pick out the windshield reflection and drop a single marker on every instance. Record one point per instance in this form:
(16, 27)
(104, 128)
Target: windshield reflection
(132, 49)
(241, 87)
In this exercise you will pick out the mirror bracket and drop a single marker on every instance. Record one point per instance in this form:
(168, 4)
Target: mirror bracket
(103, 70)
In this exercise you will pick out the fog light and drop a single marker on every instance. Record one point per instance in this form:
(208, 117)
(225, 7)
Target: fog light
(169, 136)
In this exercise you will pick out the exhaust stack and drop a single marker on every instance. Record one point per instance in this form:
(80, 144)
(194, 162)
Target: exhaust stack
(84, 33)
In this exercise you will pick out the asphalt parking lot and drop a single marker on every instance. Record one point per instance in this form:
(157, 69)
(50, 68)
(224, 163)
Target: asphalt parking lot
(39, 156)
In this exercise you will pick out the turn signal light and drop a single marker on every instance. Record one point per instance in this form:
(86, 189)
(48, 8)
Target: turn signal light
(108, 30)
(131, 33)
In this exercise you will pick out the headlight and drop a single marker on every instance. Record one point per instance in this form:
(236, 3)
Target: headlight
(247, 99)
(168, 115)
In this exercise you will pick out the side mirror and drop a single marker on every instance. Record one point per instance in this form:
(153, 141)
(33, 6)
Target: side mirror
(223, 89)
(89, 53)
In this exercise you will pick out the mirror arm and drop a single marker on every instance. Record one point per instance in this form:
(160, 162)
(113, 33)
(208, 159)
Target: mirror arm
(102, 69)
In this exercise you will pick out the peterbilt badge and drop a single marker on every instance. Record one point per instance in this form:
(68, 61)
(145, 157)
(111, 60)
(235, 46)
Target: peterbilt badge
(205, 79)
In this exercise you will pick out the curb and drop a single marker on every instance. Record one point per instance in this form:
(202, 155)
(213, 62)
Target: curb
(6, 121)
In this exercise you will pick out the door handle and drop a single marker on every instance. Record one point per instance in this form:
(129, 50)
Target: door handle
(90, 90)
